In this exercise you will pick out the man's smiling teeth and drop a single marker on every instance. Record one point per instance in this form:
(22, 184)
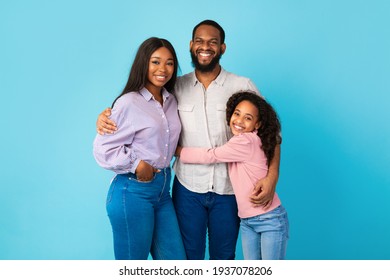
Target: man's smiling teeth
(204, 54)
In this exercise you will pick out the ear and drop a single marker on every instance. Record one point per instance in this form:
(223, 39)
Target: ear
(191, 42)
(223, 48)
(258, 125)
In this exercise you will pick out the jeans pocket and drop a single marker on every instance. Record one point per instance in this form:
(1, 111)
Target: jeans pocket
(135, 179)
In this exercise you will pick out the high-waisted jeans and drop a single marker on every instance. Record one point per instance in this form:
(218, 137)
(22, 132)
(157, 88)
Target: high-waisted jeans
(143, 219)
(264, 237)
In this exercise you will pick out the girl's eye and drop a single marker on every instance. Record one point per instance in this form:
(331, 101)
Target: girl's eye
(170, 63)
(155, 62)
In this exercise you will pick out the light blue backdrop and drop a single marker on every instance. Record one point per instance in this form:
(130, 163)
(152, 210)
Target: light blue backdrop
(324, 65)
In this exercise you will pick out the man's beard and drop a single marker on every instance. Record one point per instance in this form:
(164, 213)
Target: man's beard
(205, 68)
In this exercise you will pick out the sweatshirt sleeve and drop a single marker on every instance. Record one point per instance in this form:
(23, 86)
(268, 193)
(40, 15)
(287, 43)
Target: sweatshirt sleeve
(237, 149)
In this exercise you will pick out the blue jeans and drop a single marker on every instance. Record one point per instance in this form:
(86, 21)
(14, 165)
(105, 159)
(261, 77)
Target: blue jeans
(264, 237)
(199, 212)
(143, 219)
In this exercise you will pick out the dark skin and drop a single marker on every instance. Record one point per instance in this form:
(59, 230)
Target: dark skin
(263, 192)
(208, 37)
(145, 171)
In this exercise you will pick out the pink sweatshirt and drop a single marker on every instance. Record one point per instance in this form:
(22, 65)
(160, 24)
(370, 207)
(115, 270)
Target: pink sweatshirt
(247, 164)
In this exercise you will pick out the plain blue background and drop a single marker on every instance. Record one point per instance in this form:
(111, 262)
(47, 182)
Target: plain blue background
(324, 65)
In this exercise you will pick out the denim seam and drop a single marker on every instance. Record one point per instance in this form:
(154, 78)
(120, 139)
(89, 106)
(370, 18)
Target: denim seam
(164, 185)
(127, 225)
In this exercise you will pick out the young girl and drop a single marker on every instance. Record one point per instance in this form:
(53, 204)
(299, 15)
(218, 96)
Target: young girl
(139, 204)
(256, 132)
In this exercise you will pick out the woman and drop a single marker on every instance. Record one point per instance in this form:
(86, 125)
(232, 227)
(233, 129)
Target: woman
(139, 204)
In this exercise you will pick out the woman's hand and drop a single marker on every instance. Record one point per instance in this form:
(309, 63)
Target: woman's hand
(145, 172)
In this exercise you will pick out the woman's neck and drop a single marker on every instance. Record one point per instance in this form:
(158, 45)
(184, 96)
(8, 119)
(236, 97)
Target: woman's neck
(156, 92)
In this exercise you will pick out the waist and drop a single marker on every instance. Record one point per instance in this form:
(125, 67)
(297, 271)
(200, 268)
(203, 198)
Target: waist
(166, 170)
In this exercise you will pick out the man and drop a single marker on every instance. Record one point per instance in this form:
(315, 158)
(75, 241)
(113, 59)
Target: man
(202, 194)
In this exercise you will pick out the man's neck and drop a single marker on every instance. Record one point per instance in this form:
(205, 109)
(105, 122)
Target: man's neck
(207, 77)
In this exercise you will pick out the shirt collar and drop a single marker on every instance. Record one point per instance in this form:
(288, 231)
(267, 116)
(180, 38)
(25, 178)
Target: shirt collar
(219, 80)
(147, 95)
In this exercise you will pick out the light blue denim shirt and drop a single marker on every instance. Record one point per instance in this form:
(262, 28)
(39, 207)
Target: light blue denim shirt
(203, 117)
(146, 131)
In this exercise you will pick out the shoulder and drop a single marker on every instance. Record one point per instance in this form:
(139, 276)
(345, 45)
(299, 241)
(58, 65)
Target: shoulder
(185, 79)
(234, 76)
(244, 144)
(240, 139)
(125, 102)
(237, 82)
(171, 99)
(247, 138)
(184, 84)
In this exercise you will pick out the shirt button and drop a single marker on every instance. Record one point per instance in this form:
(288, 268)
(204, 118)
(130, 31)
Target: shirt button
(167, 130)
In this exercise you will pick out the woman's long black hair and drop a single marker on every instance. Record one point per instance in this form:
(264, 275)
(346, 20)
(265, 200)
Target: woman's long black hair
(269, 131)
(139, 70)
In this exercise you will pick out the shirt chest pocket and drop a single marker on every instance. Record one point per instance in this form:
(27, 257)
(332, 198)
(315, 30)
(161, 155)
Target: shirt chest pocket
(221, 115)
(187, 117)
(221, 108)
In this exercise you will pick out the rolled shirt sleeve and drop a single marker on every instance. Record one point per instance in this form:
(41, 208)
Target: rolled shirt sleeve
(114, 151)
(146, 131)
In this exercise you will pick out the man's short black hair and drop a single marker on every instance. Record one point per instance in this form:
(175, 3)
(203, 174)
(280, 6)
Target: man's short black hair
(212, 23)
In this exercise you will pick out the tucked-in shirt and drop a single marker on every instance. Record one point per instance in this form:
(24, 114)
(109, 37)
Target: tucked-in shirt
(146, 131)
(247, 164)
(203, 116)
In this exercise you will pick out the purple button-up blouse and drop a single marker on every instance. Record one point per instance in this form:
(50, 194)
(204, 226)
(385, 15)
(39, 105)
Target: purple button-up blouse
(146, 131)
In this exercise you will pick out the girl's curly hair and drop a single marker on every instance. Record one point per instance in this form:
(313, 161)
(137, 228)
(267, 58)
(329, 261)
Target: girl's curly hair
(269, 131)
